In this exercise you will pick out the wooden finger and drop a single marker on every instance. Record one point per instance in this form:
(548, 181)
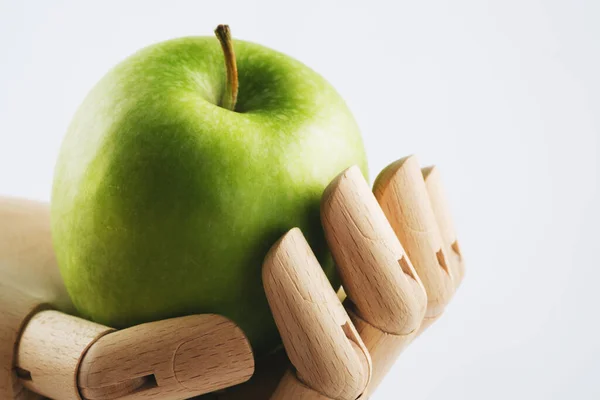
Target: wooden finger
(387, 299)
(435, 189)
(400, 190)
(322, 344)
(50, 351)
(16, 309)
(169, 359)
(291, 387)
(267, 376)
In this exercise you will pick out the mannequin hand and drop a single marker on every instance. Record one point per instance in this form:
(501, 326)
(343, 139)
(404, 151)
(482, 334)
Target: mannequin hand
(387, 306)
(400, 268)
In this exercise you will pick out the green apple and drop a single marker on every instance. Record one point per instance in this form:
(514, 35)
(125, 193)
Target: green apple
(169, 189)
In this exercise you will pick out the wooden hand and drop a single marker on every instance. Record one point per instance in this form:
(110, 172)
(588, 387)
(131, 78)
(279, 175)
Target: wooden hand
(400, 263)
(398, 258)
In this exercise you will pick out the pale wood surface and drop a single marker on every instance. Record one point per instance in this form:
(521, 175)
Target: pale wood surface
(383, 347)
(386, 297)
(51, 348)
(398, 256)
(16, 307)
(443, 216)
(320, 340)
(268, 373)
(402, 194)
(377, 275)
(170, 359)
(291, 388)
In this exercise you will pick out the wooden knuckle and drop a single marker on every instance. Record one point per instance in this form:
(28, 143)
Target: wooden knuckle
(321, 342)
(376, 272)
(400, 190)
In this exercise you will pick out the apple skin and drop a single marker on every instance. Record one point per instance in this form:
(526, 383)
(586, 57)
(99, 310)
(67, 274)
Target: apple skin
(165, 204)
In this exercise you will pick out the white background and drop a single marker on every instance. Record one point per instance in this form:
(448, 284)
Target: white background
(503, 95)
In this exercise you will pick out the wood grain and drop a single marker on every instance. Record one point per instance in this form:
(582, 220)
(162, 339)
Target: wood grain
(291, 388)
(398, 256)
(169, 359)
(385, 348)
(267, 375)
(386, 298)
(326, 351)
(51, 348)
(16, 308)
(402, 194)
(439, 205)
(207, 352)
(377, 275)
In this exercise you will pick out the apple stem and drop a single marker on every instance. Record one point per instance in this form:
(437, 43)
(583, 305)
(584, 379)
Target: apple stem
(229, 97)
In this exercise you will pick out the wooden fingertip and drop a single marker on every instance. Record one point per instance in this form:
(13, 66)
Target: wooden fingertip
(51, 349)
(16, 310)
(386, 299)
(376, 273)
(313, 324)
(174, 358)
(437, 197)
(401, 191)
